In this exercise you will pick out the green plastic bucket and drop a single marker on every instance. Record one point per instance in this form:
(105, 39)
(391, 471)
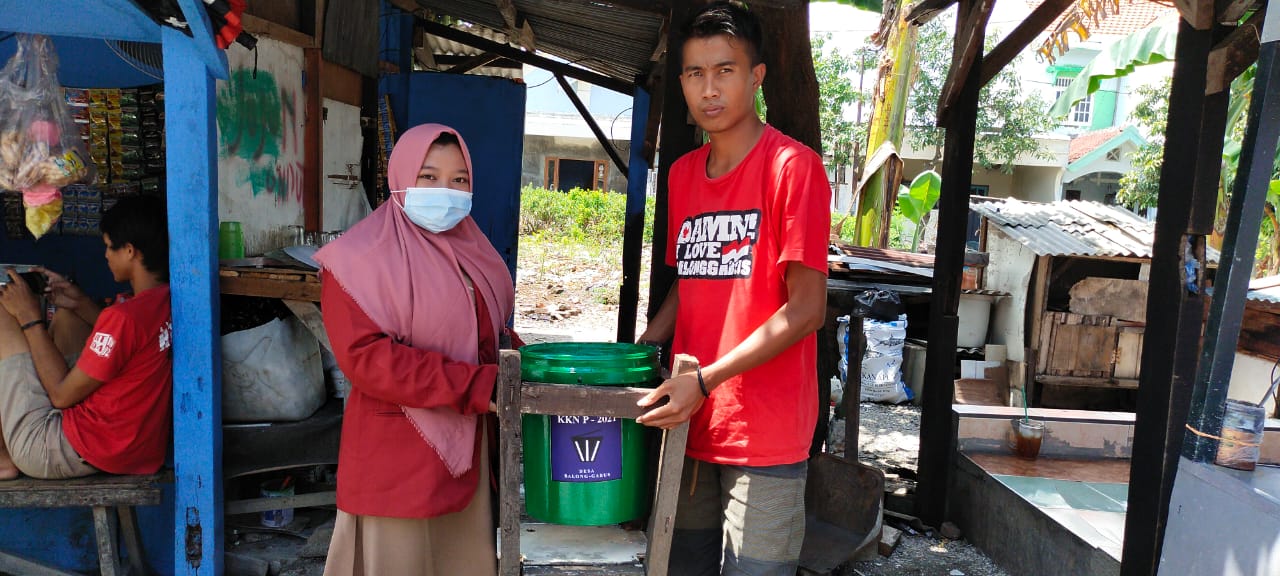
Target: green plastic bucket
(586, 470)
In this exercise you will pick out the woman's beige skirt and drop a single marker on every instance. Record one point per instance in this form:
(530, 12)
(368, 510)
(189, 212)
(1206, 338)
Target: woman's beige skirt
(458, 543)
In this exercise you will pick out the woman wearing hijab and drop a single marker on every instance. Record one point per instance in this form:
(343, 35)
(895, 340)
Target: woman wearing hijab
(414, 298)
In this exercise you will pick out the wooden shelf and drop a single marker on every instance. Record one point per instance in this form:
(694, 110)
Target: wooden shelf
(1082, 382)
(284, 283)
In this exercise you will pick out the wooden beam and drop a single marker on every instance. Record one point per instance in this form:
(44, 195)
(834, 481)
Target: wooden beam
(1234, 54)
(444, 61)
(192, 174)
(407, 5)
(313, 134)
(1035, 23)
(472, 63)
(1239, 244)
(650, 6)
(263, 28)
(937, 432)
(337, 82)
(517, 26)
(1175, 315)
(970, 34)
(509, 470)
(1198, 13)
(677, 137)
(1234, 10)
(591, 123)
(927, 10)
(519, 55)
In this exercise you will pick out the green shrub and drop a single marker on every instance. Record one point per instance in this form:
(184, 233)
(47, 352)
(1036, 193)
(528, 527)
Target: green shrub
(579, 216)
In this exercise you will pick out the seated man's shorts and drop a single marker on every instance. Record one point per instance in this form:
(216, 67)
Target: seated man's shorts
(32, 427)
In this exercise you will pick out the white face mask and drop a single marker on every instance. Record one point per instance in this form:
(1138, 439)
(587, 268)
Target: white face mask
(436, 209)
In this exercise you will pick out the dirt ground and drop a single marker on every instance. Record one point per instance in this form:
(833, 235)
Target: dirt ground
(564, 295)
(560, 296)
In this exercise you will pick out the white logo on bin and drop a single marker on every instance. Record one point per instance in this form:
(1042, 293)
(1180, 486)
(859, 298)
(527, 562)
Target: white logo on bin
(588, 445)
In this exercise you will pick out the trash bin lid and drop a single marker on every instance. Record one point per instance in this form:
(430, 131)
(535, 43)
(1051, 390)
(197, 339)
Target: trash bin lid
(591, 363)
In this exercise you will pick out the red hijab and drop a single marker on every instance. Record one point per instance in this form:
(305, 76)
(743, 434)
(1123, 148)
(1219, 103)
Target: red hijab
(409, 281)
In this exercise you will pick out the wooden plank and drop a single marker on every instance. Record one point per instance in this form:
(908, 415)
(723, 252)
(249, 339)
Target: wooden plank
(309, 314)
(264, 28)
(96, 490)
(341, 84)
(662, 518)
(270, 288)
(1128, 353)
(1260, 333)
(10, 564)
(132, 538)
(509, 469)
(1234, 54)
(298, 501)
(1035, 23)
(1085, 382)
(573, 400)
(104, 531)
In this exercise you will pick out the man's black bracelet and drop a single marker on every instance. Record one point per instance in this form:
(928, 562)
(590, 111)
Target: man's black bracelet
(702, 385)
(32, 324)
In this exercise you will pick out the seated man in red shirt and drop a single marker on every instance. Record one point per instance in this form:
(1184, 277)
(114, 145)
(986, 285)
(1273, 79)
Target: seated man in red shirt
(111, 412)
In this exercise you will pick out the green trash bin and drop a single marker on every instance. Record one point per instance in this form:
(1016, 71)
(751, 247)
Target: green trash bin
(586, 470)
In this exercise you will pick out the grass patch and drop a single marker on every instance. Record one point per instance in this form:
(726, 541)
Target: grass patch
(584, 217)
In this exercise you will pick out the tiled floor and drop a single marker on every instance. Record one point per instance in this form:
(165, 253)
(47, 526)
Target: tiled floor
(1082, 496)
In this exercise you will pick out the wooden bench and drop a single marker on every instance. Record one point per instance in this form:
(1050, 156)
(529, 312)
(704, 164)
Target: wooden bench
(108, 495)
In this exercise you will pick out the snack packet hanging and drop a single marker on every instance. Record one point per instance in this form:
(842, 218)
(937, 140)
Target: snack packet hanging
(40, 146)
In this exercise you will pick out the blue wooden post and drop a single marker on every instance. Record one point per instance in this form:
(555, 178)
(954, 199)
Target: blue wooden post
(633, 233)
(197, 348)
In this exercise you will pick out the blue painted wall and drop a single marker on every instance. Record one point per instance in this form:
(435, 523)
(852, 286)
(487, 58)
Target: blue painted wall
(489, 114)
(87, 63)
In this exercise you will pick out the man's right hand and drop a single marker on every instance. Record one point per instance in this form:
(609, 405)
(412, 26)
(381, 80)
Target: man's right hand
(61, 292)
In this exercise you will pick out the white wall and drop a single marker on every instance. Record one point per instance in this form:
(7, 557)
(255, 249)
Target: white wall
(1009, 270)
(1037, 184)
(344, 202)
(260, 141)
(1250, 377)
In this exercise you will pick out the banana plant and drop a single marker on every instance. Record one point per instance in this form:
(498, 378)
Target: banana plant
(917, 200)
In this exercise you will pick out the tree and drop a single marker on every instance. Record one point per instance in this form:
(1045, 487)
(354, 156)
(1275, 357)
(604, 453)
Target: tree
(837, 91)
(1008, 119)
(1139, 186)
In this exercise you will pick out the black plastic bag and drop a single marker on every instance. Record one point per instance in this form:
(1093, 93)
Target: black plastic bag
(882, 305)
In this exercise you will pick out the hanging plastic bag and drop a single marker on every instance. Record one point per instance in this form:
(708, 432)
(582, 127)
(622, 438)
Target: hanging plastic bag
(40, 146)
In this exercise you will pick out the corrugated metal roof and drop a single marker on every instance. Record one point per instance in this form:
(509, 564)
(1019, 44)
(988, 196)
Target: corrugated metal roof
(1070, 228)
(444, 46)
(616, 41)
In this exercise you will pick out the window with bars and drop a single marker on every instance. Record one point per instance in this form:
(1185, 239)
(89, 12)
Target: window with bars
(1082, 113)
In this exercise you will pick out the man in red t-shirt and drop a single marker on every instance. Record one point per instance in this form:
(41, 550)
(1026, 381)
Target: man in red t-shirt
(749, 224)
(110, 412)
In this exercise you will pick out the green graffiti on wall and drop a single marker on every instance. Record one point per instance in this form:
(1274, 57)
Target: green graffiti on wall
(253, 125)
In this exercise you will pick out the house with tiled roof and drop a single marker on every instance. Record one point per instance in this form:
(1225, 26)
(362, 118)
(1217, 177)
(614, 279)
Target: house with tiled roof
(1064, 54)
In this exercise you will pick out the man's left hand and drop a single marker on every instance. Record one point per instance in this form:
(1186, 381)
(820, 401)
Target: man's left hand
(18, 300)
(685, 399)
